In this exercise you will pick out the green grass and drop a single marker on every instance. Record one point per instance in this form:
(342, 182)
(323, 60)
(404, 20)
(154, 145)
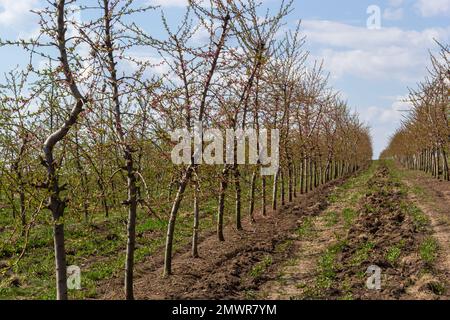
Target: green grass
(349, 216)
(346, 288)
(428, 250)
(333, 198)
(420, 220)
(283, 246)
(354, 188)
(98, 248)
(306, 228)
(260, 267)
(393, 254)
(327, 265)
(362, 254)
(331, 218)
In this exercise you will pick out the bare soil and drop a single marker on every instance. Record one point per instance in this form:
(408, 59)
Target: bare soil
(383, 225)
(432, 196)
(233, 269)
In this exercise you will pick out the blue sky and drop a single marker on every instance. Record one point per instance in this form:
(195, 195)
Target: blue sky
(372, 68)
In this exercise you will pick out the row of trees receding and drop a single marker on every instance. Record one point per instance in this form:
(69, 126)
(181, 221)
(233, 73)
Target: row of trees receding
(85, 126)
(423, 140)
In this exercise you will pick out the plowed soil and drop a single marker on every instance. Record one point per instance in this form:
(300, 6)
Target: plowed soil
(384, 225)
(226, 270)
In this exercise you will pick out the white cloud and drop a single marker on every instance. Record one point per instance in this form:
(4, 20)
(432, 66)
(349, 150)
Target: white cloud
(157, 65)
(201, 35)
(377, 63)
(398, 110)
(391, 115)
(347, 36)
(383, 121)
(393, 14)
(13, 12)
(430, 8)
(385, 54)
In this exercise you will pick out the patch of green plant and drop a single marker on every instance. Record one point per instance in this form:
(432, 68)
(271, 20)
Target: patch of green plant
(283, 246)
(362, 254)
(311, 292)
(250, 295)
(333, 198)
(428, 250)
(347, 290)
(306, 228)
(393, 254)
(349, 216)
(361, 274)
(420, 220)
(291, 262)
(355, 197)
(331, 218)
(327, 265)
(419, 191)
(151, 225)
(261, 267)
(437, 288)
(369, 208)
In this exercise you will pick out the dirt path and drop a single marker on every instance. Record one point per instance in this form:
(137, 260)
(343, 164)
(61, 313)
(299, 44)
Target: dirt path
(297, 271)
(296, 280)
(233, 269)
(433, 198)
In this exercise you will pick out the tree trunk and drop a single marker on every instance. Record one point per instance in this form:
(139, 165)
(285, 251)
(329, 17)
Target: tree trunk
(303, 177)
(83, 179)
(172, 219)
(282, 191)
(263, 196)
(335, 167)
(221, 206)
(131, 226)
(274, 190)
(101, 186)
(294, 181)
(252, 195)
(446, 166)
(60, 260)
(57, 206)
(196, 223)
(290, 186)
(237, 186)
(23, 214)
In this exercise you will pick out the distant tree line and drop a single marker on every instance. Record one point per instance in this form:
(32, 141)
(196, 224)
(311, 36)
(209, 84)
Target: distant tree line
(423, 140)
